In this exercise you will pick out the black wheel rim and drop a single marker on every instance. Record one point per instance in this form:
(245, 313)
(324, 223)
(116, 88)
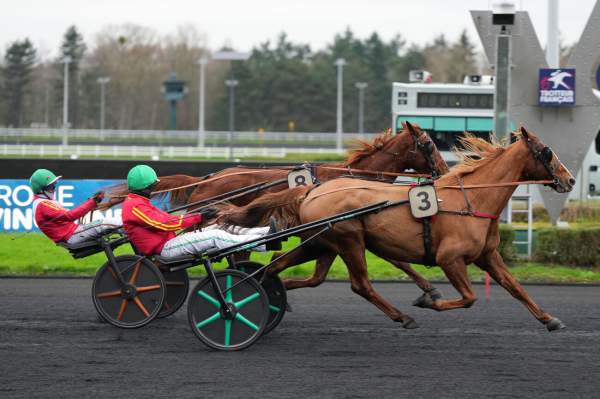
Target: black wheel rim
(250, 304)
(146, 287)
(177, 285)
(275, 290)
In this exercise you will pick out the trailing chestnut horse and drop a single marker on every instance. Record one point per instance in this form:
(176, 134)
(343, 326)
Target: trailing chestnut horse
(412, 148)
(409, 149)
(463, 232)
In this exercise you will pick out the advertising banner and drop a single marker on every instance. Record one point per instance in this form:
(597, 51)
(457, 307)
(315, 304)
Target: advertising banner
(16, 213)
(557, 87)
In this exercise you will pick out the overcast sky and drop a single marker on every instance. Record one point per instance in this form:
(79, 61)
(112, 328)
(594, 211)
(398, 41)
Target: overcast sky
(246, 23)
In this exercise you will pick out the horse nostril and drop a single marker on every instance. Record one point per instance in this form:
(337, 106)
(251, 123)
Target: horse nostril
(572, 181)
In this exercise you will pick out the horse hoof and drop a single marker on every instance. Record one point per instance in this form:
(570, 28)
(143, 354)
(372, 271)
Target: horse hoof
(424, 301)
(435, 294)
(555, 324)
(410, 324)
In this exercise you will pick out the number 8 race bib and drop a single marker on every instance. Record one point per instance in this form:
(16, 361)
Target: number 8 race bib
(423, 201)
(300, 177)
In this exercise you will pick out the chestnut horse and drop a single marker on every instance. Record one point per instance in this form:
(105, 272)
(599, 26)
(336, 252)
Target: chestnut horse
(409, 149)
(462, 232)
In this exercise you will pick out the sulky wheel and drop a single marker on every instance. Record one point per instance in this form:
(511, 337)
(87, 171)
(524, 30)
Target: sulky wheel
(178, 284)
(275, 290)
(240, 328)
(134, 304)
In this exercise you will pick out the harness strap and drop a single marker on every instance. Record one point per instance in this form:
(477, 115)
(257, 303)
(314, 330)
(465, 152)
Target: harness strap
(462, 189)
(429, 258)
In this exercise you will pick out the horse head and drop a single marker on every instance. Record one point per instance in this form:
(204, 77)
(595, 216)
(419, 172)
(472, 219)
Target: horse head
(544, 164)
(425, 157)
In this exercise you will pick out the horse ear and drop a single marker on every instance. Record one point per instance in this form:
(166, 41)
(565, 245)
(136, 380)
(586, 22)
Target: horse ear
(524, 133)
(412, 129)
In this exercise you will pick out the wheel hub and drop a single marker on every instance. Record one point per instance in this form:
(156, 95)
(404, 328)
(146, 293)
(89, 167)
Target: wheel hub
(230, 312)
(128, 291)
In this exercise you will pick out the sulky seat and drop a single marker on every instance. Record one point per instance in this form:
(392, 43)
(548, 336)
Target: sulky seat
(176, 261)
(82, 249)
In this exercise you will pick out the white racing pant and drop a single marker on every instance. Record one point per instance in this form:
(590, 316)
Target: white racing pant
(90, 231)
(198, 242)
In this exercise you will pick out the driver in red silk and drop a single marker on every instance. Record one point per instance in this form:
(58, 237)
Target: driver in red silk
(152, 231)
(58, 223)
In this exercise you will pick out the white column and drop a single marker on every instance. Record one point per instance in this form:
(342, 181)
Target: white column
(552, 48)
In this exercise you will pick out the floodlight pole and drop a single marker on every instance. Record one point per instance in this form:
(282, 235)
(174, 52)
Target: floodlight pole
(231, 83)
(361, 86)
(65, 139)
(339, 63)
(102, 81)
(202, 62)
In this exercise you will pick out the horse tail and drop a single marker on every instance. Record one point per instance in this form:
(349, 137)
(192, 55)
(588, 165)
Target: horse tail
(117, 193)
(283, 206)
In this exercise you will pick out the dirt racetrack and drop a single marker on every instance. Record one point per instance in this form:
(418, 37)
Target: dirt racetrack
(333, 345)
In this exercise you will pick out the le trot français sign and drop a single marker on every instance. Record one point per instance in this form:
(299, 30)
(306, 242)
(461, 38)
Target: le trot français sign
(557, 87)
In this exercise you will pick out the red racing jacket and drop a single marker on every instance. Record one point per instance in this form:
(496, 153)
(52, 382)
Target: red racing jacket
(56, 222)
(148, 227)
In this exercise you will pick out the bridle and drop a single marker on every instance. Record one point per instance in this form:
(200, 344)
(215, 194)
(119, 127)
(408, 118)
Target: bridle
(426, 149)
(545, 156)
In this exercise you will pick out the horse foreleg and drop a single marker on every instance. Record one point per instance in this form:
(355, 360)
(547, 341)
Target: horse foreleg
(291, 258)
(322, 267)
(430, 292)
(495, 266)
(456, 272)
(355, 261)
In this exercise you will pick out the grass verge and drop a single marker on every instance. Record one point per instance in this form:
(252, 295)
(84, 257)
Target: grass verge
(34, 254)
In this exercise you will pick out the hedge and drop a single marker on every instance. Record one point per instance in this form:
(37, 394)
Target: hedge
(507, 248)
(579, 246)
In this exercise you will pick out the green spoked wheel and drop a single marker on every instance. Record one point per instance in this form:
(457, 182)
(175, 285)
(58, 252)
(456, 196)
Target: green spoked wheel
(134, 304)
(177, 284)
(275, 290)
(234, 330)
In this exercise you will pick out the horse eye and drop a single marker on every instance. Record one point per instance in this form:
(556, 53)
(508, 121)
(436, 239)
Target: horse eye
(547, 154)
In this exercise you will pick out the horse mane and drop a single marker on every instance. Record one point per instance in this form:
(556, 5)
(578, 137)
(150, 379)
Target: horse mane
(365, 148)
(476, 152)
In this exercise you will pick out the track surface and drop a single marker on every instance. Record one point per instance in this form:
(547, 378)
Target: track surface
(334, 344)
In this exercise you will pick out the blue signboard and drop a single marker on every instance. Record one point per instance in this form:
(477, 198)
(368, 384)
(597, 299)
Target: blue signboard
(16, 213)
(557, 87)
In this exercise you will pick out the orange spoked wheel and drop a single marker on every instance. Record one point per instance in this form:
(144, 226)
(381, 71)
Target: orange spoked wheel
(178, 284)
(134, 302)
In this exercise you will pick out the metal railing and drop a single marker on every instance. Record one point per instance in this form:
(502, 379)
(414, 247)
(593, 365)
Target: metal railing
(153, 152)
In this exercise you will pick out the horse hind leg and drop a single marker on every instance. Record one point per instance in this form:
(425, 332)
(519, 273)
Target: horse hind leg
(357, 269)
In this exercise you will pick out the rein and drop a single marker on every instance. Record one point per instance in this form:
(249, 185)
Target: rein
(373, 172)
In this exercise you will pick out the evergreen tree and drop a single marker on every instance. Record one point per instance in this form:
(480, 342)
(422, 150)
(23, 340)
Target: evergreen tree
(19, 61)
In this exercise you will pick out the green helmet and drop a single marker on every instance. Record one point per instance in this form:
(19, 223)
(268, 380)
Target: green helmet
(40, 179)
(140, 177)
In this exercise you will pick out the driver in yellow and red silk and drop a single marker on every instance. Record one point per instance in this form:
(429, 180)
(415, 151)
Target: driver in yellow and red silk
(58, 223)
(152, 231)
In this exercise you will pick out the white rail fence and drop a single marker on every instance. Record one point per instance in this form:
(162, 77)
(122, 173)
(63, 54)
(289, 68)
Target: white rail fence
(153, 152)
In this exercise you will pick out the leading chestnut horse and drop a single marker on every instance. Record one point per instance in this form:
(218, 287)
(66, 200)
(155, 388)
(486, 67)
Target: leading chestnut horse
(462, 232)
